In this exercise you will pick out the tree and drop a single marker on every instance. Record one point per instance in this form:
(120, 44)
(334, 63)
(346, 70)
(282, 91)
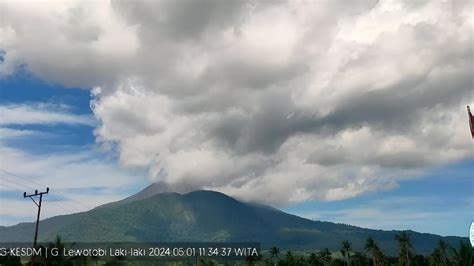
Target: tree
(435, 257)
(404, 246)
(119, 260)
(289, 258)
(360, 259)
(250, 260)
(373, 249)
(346, 251)
(10, 260)
(313, 260)
(442, 247)
(420, 260)
(463, 256)
(379, 256)
(274, 253)
(325, 256)
(59, 259)
(300, 260)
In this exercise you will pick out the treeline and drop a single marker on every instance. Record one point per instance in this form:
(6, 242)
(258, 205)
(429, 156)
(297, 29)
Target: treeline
(372, 255)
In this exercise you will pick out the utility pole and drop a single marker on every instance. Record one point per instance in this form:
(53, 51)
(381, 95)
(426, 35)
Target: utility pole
(38, 215)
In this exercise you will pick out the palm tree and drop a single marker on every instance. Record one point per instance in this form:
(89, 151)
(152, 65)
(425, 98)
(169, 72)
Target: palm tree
(436, 257)
(274, 253)
(313, 259)
(346, 251)
(379, 256)
(464, 256)
(404, 246)
(59, 259)
(420, 260)
(289, 258)
(250, 260)
(325, 256)
(443, 247)
(374, 250)
(360, 259)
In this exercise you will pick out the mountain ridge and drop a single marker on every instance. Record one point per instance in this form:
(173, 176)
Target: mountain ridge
(207, 216)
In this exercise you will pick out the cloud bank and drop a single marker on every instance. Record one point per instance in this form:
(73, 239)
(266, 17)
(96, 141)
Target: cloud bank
(276, 102)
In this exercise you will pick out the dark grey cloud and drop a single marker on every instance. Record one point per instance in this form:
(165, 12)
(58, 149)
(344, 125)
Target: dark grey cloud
(184, 19)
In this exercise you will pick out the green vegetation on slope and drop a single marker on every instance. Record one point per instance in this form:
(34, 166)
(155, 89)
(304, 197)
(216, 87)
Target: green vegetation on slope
(204, 216)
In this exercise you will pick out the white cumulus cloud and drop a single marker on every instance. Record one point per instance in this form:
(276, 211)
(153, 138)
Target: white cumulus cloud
(276, 102)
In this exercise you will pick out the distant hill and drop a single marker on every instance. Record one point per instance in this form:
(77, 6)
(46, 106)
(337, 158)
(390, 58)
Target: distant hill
(151, 216)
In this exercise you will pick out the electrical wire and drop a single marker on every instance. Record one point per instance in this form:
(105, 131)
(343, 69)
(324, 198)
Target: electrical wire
(51, 190)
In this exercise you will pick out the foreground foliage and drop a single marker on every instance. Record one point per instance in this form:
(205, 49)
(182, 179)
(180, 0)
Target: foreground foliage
(372, 254)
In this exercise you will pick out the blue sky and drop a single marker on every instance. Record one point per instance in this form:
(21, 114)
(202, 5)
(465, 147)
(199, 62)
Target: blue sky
(440, 201)
(48, 141)
(23, 88)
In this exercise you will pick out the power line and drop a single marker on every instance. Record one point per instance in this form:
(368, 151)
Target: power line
(78, 202)
(3, 185)
(25, 186)
(64, 204)
(55, 204)
(55, 190)
(13, 182)
(26, 179)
